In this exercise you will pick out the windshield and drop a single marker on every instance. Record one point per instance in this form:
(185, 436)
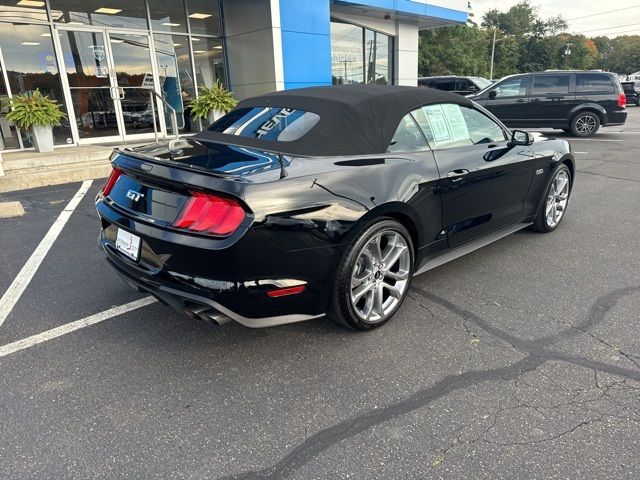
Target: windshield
(482, 82)
(266, 123)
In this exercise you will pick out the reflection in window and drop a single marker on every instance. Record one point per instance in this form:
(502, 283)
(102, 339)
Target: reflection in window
(117, 13)
(168, 16)
(20, 10)
(208, 58)
(359, 55)
(31, 63)
(274, 124)
(379, 52)
(347, 61)
(543, 84)
(204, 17)
(8, 131)
(176, 78)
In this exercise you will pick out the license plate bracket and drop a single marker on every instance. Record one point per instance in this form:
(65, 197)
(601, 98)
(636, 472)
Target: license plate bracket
(128, 243)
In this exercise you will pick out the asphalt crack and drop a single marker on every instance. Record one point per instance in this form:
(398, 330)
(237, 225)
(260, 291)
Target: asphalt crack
(536, 354)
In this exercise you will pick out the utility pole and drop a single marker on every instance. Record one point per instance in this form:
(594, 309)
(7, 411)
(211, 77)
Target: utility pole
(493, 52)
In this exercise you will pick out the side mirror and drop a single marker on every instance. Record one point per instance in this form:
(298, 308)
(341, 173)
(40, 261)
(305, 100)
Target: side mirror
(520, 137)
(473, 88)
(492, 94)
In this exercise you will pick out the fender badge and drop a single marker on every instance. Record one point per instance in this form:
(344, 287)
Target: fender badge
(540, 171)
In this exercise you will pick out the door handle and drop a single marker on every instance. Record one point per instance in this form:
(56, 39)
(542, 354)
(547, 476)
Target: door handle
(456, 175)
(520, 100)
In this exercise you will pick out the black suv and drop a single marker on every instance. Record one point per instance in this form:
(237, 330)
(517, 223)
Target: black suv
(459, 85)
(632, 92)
(576, 102)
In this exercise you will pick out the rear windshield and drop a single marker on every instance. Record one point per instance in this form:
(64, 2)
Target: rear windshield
(267, 123)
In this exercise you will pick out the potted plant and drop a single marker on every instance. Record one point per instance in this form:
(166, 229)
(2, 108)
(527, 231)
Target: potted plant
(212, 103)
(39, 113)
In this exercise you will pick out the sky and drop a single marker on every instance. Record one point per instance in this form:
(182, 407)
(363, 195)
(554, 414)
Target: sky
(587, 17)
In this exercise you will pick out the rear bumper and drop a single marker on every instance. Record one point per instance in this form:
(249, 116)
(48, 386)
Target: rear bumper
(192, 303)
(619, 117)
(231, 279)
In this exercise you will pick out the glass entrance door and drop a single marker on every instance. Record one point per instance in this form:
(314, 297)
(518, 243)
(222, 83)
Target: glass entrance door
(133, 79)
(110, 77)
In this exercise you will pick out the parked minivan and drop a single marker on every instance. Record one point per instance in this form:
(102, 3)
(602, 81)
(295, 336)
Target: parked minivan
(577, 102)
(451, 83)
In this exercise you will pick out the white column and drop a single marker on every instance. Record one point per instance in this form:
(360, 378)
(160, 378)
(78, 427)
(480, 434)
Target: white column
(406, 53)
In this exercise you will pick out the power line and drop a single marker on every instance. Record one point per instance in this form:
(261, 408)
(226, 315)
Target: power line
(601, 13)
(636, 31)
(609, 28)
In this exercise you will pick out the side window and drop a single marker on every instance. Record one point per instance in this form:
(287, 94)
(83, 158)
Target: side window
(593, 82)
(449, 126)
(516, 87)
(463, 85)
(408, 137)
(543, 84)
(445, 84)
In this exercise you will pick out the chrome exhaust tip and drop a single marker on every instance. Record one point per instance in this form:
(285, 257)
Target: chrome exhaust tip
(207, 314)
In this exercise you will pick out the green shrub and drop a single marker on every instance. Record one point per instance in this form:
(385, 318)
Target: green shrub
(34, 109)
(210, 99)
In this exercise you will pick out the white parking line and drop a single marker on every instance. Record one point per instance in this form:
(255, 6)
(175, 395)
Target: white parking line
(73, 326)
(20, 283)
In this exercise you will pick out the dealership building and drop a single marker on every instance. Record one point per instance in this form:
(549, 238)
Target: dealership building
(119, 68)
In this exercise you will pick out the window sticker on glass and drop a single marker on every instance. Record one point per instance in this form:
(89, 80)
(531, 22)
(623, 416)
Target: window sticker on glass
(447, 123)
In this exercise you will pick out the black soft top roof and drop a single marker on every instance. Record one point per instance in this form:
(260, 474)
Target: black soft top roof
(354, 119)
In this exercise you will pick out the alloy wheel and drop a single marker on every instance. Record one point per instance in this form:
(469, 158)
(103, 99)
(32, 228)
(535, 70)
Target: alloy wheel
(380, 276)
(557, 199)
(586, 124)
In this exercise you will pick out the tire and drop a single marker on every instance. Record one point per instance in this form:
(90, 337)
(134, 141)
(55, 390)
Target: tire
(585, 124)
(362, 276)
(638, 102)
(550, 217)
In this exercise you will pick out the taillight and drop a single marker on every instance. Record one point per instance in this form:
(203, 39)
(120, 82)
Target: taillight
(622, 101)
(208, 213)
(111, 181)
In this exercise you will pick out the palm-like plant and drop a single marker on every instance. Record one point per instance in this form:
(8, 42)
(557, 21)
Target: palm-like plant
(34, 109)
(216, 98)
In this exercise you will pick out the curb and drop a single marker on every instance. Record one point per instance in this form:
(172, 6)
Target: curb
(11, 209)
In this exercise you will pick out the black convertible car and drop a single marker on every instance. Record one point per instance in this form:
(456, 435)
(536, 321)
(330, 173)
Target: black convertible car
(326, 200)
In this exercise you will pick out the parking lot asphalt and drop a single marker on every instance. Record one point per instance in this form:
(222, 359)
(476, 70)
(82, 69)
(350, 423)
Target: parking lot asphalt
(520, 360)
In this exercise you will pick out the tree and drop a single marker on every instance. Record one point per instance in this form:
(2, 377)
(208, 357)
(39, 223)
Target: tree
(522, 20)
(453, 51)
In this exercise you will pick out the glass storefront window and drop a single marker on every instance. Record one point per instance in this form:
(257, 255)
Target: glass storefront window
(168, 16)
(114, 13)
(208, 58)
(204, 17)
(176, 78)
(31, 63)
(8, 131)
(359, 55)
(20, 10)
(379, 52)
(347, 56)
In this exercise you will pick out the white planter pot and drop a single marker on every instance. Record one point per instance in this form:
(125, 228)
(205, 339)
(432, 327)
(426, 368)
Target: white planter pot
(214, 115)
(43, 138)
